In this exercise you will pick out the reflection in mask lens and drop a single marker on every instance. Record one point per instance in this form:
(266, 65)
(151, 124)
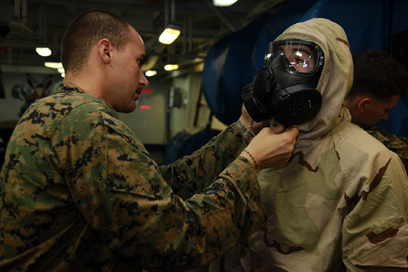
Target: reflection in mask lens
(300, 58)
(303, 57)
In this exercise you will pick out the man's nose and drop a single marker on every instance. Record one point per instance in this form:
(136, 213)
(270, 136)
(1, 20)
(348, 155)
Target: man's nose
(143, 80)
(385, 117)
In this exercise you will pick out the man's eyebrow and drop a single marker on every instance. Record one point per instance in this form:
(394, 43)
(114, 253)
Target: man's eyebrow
(303, 49)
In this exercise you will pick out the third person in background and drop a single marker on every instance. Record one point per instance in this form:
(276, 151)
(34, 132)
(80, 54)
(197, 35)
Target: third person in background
(379, 82)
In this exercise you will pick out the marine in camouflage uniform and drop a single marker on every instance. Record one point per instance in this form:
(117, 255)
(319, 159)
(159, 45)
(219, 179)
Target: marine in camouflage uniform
(80, 193)
(2, 151)
(341, 202)
(394, 142)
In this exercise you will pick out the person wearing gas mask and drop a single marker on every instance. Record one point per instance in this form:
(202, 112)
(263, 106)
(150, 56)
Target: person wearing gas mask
(340, 202)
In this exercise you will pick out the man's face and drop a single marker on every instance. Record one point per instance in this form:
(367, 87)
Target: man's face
(128, 79)
(376, 111)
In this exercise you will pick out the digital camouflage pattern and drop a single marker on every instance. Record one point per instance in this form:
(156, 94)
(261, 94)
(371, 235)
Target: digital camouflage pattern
(395, 142)
(81, 193)
(340, 203)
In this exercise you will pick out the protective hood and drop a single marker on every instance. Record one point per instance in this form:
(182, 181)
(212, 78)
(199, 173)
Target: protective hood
(336, 77)
(342, 191)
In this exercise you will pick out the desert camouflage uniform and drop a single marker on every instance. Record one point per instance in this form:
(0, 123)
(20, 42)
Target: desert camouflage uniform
(394, 142)
(341, 202)
(80, 193)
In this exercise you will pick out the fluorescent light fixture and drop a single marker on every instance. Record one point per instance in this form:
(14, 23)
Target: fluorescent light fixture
(43, 51)
(61, 70)
(169, 34)
(170, 67)
(223, 3)
(151, 73)
(54, 65)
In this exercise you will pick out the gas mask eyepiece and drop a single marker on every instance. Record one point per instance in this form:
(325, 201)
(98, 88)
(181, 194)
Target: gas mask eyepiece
(285, 88)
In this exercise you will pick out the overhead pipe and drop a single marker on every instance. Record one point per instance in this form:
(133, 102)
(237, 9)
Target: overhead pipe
(166, 12)
(224, 16)
(187, 33)
(190, 32)
(20, 12)
(169, 9)
(173, 11)
(17, 5)
(184, 27)
(24, 11)
(42, 24)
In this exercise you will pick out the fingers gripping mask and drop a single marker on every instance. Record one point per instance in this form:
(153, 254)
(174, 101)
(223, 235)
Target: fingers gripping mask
(285, 88)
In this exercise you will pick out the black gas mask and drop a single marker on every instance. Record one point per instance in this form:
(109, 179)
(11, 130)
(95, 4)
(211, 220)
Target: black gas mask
(285, 88)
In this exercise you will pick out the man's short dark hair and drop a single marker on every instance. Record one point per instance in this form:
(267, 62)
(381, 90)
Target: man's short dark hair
(378, 74)
(85, 31)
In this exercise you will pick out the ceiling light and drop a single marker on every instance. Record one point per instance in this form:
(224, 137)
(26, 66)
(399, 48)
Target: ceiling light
(54, 65)
(150, 73)
(43, 51)
(169, 34)
(61, 70)
(170, 67)
(223, 3)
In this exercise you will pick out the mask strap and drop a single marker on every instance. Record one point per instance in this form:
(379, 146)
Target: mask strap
(250, 128)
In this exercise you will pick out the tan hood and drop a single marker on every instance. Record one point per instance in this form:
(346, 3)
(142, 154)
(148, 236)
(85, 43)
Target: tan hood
(342, 191)
(336, 78)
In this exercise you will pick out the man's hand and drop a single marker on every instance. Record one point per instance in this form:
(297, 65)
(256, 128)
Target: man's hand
(251, 125)
(272, 146)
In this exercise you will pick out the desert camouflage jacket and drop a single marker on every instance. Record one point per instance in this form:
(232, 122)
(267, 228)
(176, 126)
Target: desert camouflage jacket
(80, 193)
(394, 142)
(340, 203)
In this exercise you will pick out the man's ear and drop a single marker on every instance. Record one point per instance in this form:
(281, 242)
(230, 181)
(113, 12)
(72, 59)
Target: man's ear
(363, 103)
(105, 50)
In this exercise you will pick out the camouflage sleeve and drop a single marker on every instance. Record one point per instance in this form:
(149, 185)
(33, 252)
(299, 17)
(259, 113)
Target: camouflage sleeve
(394, 142)
(190, 174)
(375, 232)
(120, 192)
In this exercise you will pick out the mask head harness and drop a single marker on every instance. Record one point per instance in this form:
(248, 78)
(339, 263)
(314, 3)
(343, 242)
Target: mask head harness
(285, 88)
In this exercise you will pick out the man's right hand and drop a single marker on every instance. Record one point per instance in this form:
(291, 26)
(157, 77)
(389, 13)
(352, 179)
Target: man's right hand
(272, 146)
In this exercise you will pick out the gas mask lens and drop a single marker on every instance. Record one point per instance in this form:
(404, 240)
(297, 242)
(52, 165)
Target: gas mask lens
(302, 57)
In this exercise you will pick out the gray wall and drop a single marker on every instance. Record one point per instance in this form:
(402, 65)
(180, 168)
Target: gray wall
(149, 125)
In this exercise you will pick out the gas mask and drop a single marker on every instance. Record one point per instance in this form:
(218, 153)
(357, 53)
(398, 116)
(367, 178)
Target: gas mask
(285, 88)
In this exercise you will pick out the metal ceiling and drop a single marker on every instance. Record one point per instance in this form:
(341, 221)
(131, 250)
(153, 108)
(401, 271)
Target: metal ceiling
(26, 24)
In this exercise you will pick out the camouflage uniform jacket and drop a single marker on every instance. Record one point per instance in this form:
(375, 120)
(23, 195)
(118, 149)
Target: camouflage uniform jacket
(80, 193)
(341, 202)
(394, 142)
